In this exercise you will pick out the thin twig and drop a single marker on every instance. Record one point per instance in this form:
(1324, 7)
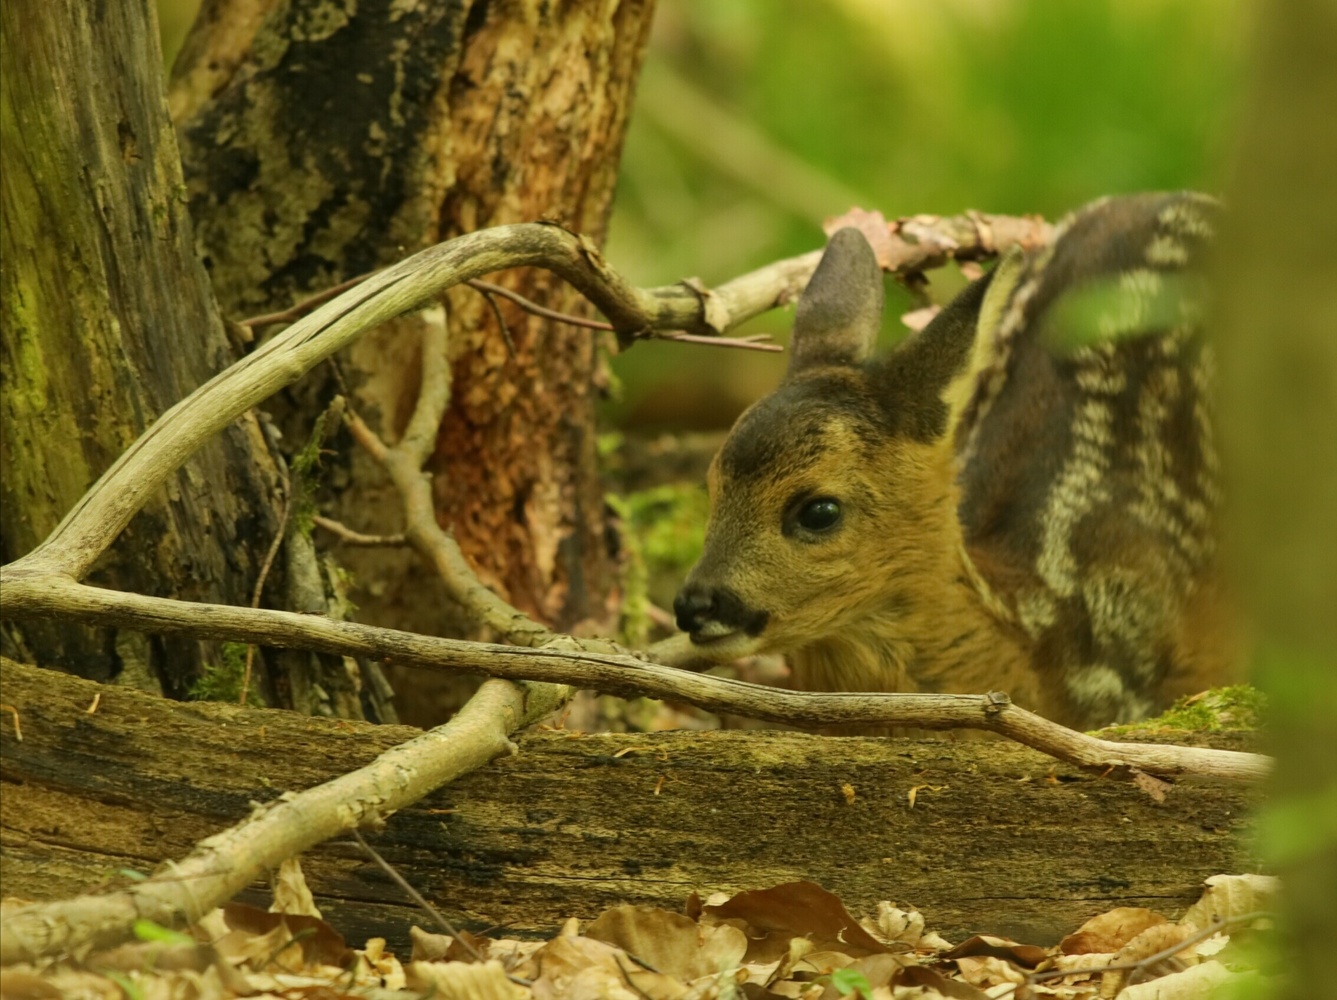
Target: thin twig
(757, 342)
(300, 309)
(491, 300)
(404, 464)
(416, 896)
(530, 306)
(348, 536)
(264, 575)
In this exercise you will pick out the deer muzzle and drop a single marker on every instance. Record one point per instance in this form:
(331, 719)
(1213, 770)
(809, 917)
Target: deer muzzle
(710, 614)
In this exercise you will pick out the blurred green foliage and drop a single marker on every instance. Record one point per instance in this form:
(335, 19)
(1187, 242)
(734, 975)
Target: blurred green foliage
(757, 118)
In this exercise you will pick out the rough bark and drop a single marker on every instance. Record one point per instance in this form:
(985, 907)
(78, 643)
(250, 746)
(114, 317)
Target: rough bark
(347, 137)
(997, 837)
(107, 320)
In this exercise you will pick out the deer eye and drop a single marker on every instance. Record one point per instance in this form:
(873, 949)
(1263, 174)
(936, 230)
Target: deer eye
(819, 514)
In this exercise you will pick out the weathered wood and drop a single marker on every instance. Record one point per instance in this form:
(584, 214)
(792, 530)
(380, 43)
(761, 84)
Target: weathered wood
(997, 837)
(106, 319)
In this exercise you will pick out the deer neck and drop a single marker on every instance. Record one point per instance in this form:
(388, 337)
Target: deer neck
(943, 630)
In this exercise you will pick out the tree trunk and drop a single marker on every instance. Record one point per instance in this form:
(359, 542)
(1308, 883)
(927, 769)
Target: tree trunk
(108, 320)
(997, 838)
(321, 145)
(1278, 311)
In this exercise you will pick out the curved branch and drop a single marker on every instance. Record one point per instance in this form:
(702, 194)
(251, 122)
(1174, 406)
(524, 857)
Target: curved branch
(104, 511)
(569, 661)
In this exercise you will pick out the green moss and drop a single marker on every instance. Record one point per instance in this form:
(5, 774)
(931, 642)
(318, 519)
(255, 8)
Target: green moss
(662, 531)
(1238, 707)
(305, 467)
(634, 626)
(670, 523)
(222, 681)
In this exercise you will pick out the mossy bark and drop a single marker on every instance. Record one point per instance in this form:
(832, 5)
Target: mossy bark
(349, 135)
(108, 320)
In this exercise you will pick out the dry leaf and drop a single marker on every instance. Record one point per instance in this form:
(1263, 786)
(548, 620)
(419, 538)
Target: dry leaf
(986, 970)
(579, 968)
(1110, 931)
(254, 933)
(428, 947)
(929, 979)
(671, 943)
(1194, 983)
(463, 980)
(1230, 896)
(382, 965)
(874, 227)
(1028, 955)
(291, 893)
(1156, 787)
(1157, 939)
(800, 909)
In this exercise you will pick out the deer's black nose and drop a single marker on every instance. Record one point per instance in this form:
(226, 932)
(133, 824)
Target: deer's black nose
(693, 606)
(710, 612)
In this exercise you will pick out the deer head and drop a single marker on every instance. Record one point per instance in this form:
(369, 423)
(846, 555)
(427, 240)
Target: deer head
(834, 496)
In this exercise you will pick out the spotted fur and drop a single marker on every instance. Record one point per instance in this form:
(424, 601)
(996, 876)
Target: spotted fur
(1027, 489)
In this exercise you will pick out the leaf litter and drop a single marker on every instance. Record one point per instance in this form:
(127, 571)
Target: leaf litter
(795, 940)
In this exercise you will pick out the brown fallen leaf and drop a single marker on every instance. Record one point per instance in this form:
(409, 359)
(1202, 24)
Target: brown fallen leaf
(1027, 955)
(1110, 931)
(930, 979)
(986, 970)
(256, 934)
(671, 943)
(571, 967)
(800, 909)
(463, 981)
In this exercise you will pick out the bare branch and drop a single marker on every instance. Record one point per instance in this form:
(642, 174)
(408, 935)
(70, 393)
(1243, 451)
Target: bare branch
(530, 306)
(566, 660)
(300, 309)
(348, 536)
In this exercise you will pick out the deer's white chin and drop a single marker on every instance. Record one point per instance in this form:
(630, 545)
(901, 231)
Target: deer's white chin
(721, 643)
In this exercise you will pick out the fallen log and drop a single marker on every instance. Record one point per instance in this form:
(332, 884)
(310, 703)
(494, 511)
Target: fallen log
(980, 835)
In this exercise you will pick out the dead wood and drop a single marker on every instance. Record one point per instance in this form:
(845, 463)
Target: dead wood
(997, 836)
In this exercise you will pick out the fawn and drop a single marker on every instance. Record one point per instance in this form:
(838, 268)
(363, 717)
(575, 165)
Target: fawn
(1022, 496)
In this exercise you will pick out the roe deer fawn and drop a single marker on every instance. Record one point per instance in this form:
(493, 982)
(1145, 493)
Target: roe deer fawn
(1022, 496)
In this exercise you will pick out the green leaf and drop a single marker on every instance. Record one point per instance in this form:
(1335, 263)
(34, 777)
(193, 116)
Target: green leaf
(147, 930)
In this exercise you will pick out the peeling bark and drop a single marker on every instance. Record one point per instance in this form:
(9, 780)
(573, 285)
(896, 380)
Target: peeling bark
(351, 135)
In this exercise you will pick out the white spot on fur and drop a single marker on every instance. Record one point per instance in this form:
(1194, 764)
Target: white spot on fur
(1166, 251)
(1078, 488)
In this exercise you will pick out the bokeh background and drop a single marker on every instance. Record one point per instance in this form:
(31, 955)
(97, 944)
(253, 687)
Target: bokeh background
(756, 119)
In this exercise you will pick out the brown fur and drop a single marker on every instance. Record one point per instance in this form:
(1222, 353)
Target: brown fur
(1016, 513)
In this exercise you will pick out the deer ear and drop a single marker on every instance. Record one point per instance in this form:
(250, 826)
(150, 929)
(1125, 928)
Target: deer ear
(931, 380)
(840, 312)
